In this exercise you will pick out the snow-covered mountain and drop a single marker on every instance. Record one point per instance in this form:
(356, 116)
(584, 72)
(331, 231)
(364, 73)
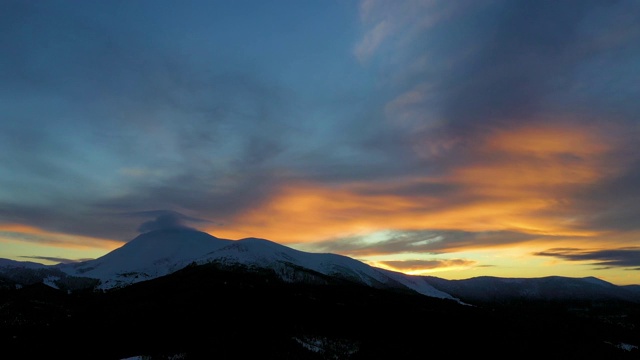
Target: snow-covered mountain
(324, 311)
(148, 256)
(161, 252)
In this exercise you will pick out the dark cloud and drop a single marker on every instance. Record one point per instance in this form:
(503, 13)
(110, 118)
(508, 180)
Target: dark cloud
(525, 51)
(118, 121)
(55, 259)
(25, 237)
(478, 67)
(614, 203)
(517, 53)
(165, 220)
(72, 218)
(212, 196)
(623, 257)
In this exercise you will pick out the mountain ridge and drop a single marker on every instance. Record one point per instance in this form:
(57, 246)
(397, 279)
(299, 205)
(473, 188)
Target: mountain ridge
(161, 252)
(189, 295)
(213, 311)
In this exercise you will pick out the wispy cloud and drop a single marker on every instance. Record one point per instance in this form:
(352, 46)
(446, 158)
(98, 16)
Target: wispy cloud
(621, 257)
(372, 40)
(34, 235)
(58, 260)
(419, 242)
(399, 22)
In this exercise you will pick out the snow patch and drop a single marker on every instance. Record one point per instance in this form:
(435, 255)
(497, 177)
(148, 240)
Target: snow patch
(627, 347)
(51, 281)
(329, 348)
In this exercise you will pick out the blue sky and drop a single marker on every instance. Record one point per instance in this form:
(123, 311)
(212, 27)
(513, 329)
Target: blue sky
(454, 138)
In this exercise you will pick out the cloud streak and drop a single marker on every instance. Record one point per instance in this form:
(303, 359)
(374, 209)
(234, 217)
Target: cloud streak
(56, 260)
(623, 257)
(418, 266)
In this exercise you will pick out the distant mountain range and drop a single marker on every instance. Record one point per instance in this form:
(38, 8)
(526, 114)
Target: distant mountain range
(162, 252)
(184, 294)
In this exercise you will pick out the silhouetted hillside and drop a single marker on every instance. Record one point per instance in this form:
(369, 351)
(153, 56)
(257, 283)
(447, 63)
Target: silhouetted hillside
(205, 312)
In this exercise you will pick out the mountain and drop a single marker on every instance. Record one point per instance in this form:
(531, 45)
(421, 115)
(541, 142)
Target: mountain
(211, 311)
(12, 264)
(184, 294)
(147, 256)
(16, 274)
(487, 289)
(162, 252)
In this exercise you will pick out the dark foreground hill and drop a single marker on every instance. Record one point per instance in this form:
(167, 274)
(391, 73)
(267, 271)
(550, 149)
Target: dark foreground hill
(203, 312)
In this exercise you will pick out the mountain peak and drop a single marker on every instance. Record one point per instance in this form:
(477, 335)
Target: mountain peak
(162, 243)
(150, 254)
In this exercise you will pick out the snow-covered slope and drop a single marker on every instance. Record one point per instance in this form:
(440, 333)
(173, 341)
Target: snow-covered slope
(268, 254)
(162, 252)
(148, 256)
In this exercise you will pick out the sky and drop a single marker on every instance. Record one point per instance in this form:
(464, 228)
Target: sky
(446, 138)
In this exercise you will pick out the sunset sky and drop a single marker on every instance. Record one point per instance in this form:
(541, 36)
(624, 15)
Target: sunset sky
(446, 138)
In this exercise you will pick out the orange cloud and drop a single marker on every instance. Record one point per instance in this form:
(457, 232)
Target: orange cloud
(532, 157)
(35, 234)
(550, 139)
(518, 180)
(418, 267)
(308, 212)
